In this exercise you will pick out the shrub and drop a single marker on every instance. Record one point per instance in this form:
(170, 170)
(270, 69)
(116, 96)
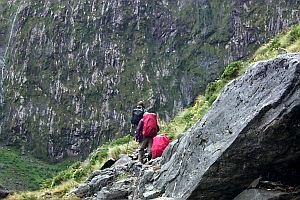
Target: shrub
(295, 33)
(275, 43)
(232, 70)
(213, 89)
(188, 116)
(79, 173)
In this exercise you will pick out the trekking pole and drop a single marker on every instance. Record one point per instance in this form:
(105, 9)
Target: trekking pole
(127, 145)
(130, 130)
(128, 140)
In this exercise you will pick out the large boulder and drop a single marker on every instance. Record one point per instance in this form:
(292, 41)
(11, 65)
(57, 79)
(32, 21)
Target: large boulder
(252, 130)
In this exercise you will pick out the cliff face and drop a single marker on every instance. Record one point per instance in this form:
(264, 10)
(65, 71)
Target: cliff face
(74, 69)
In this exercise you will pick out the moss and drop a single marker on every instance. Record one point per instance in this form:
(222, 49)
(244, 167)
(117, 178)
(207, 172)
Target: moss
(294, 34)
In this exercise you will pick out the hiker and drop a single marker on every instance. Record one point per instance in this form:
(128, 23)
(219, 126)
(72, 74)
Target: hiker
(137, 115)
(149, 127)
(139, 132)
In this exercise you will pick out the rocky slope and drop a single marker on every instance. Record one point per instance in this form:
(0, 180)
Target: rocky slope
(74, 69)
(249, 139)
(251, 130)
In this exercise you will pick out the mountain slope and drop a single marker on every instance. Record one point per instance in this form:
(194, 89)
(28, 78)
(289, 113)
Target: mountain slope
(74, 69)
(62, 183)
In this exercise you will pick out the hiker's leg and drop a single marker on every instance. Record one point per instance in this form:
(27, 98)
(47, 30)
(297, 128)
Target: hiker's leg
(149, 148)
(141, 150)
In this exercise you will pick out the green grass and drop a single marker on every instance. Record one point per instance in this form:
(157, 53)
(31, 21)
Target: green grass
(25, 172)
(288, 41)
(80, 170)
(57, 186)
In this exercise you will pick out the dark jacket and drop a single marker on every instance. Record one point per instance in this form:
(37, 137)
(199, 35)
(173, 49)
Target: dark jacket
(139, 131)
(137, 114)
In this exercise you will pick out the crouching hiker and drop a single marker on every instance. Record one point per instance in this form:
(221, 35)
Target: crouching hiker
(149, 127)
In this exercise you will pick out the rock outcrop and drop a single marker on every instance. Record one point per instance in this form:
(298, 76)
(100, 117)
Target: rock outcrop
(74, 69)
(116, 182)
(252, 130)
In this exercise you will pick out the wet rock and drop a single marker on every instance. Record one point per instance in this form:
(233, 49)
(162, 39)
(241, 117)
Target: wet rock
(118, 190)
(115, 182)
(95, 183)
(123, 160)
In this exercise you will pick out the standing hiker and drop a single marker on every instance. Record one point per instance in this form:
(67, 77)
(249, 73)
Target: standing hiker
(149, 128)
(139, 132)
(137, 115)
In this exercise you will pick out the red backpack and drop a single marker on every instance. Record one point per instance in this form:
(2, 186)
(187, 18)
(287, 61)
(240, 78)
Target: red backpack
(160, 142)
(150, 128)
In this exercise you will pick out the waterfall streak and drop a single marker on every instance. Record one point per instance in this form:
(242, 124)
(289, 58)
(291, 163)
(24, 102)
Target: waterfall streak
(12, 30)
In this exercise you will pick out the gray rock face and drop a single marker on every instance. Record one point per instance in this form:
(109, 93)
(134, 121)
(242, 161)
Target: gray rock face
(252, 130)
(96, 182)
(116, 182)
(119, 190)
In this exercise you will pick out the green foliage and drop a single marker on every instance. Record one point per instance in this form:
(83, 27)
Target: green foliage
(186, 119)
(78, 171)
(232, 70)
(29, 172)
(187, 116)
(295, 33)
(115, 152)
(275, 43)
(74, 171)
(285, 42)
(29, 197)
(98, 156)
